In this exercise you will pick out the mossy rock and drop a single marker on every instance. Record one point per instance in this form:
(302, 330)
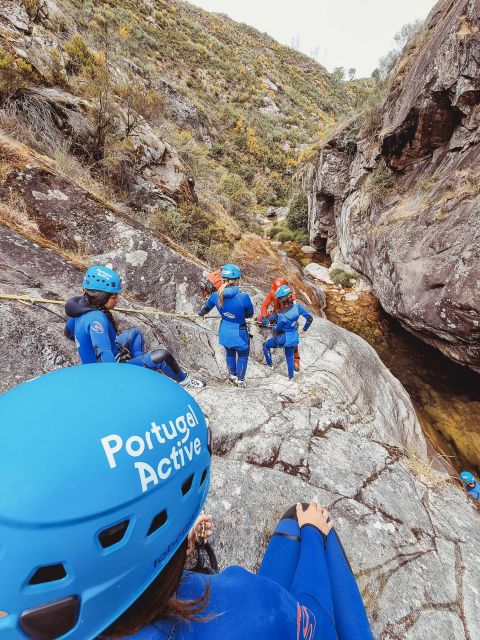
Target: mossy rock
(341, 277)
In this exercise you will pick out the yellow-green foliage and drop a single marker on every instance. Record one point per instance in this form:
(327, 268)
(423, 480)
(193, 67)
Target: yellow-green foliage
(197, 229)
(15, 74)
(227, 71)
(79, 54)
(233, 186)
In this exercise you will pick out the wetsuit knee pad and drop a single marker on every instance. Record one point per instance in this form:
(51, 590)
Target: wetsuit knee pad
(161, 356)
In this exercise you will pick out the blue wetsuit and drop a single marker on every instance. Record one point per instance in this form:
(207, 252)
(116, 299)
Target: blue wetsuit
(233, 334)
(304, 590)
(96, 341)
(474, 491)
(286, 334)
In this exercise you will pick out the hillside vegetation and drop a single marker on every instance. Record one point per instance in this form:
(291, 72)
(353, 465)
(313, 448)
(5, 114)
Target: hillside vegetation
(193, 121)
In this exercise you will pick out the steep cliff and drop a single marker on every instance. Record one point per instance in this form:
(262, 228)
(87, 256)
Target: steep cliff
(397, 189)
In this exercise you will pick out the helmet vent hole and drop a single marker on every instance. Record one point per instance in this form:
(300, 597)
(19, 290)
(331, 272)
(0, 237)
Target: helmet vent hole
(158, 521)
(48, 573)
(113, 535)
(204, 475)
(51, 620)
(187, 485)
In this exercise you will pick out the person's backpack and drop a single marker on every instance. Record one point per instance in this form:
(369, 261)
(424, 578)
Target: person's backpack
(212, 283)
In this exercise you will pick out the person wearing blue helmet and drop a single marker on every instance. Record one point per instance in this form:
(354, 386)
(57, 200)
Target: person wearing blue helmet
(235, 307)
(472, 486)
(285, 333)
(96, 524)
(93, 328)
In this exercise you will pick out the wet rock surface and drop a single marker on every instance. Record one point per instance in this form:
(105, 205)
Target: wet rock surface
(401, 202)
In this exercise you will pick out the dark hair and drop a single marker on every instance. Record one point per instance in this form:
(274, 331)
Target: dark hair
(97, 300)
(158, 602)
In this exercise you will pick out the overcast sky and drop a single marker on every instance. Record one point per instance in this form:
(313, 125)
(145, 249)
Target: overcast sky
(345, 33)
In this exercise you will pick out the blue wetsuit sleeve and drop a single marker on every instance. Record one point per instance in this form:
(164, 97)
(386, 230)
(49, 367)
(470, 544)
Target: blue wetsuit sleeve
(308, 317)
(70, 328)
(208, 306)
(98, 332)
(247, 306)
(311, 583)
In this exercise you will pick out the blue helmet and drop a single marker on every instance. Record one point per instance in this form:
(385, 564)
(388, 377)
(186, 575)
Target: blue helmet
(230, 272)
(94, 503)
(282, 291)
(467, 477)
(101, 278)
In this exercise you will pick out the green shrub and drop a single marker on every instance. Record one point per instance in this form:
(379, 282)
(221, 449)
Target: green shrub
(234, 187)
(297, 218)
(281, 232)
(79, 54)
(285, 235)
(198, 230)
(380, 184)
(15, 74)
(341, 277)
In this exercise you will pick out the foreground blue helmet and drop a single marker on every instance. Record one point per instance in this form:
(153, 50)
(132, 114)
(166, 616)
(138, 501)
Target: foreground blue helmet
(230, 272)
(282, 291)
(93, 503)
(467, 477)
(101, 278)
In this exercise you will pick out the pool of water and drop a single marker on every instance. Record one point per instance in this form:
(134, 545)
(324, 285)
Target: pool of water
(446, 396)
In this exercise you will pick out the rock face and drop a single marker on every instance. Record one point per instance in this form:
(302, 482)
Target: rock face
(400, 196)
(344, 431)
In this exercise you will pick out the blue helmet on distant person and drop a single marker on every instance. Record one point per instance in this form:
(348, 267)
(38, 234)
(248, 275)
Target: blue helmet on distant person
(467, 477)
(283, 291)
(100, 278)
(94, 503)
(230, 272)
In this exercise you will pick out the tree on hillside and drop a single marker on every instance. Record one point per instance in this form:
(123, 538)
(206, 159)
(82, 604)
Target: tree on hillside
(402, 39)
(140, 104)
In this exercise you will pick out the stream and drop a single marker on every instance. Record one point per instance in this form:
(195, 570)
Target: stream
(446, 396)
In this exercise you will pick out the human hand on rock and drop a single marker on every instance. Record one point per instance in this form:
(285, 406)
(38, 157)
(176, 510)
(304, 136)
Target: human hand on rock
(315, 515)
(202, 529)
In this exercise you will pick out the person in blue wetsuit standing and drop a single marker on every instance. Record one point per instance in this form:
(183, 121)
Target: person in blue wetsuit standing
(94, 544)
(285, 333)
(472, 486)
(92, 326)
(234, 306)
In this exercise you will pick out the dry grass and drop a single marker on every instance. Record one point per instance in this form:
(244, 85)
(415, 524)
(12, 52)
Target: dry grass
(425, 470)
(467, 187)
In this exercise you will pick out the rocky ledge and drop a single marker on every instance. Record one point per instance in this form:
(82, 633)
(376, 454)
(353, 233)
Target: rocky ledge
(399, 194)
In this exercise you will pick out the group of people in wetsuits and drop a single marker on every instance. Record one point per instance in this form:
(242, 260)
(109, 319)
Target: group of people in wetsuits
(93, 328)
(94, 545)
(235, 307)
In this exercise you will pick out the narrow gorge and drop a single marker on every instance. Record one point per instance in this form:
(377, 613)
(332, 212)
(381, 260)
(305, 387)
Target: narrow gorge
(165, 205)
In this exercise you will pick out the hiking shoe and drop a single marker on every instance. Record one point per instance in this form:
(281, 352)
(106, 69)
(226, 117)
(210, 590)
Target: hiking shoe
(232, 379)
(241, 383)
(192, 383)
